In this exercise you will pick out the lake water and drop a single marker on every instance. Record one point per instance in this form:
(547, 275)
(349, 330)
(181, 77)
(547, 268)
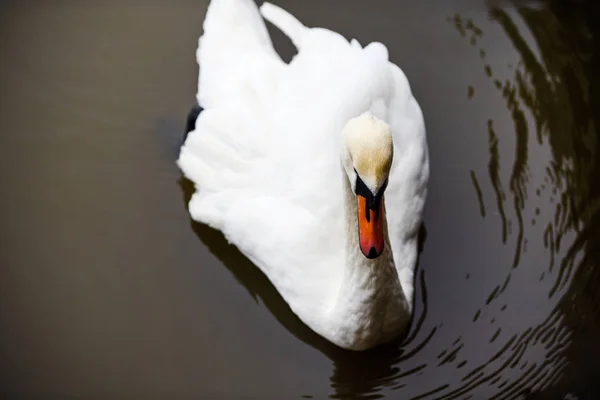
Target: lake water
(107, 289)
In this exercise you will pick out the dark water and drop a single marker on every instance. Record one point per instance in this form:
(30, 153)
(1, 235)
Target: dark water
(107, 289)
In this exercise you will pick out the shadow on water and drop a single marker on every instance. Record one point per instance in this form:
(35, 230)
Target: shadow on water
(551, 98)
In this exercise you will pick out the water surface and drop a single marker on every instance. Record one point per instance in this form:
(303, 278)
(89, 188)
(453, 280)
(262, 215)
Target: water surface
(107, 289)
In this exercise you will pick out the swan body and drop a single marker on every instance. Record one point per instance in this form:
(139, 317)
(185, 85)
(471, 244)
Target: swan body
(316, 170)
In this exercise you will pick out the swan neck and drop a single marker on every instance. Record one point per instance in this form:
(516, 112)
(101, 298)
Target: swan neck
(370, 306)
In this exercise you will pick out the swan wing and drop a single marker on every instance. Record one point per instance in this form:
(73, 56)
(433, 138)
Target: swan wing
(240, 160)
(264, 154)
(407, 189)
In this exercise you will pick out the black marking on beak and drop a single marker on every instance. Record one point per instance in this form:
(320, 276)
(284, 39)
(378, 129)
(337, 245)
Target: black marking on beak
(372, 253)
(373, 200)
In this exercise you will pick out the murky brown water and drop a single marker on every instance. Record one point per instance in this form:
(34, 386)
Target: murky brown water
(108, 290)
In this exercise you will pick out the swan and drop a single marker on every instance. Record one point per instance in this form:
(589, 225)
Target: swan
(316, 169)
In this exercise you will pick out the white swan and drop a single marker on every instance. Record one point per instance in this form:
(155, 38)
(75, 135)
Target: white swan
(265, 159)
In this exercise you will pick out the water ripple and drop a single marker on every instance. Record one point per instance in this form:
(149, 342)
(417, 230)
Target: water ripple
(517, 338)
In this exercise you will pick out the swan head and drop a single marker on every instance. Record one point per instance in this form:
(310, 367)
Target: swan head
(367, 153)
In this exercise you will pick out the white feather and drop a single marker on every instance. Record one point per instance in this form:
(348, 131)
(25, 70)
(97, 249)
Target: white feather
(265, 158)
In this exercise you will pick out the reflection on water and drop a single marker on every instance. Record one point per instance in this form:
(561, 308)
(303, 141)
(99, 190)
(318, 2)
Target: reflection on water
(541, 194)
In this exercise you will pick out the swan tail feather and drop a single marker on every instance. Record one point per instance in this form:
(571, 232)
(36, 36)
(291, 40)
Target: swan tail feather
(285, 21)
(237, 22)
(235, 55)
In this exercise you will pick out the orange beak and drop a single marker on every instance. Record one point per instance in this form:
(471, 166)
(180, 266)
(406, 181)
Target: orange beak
(370, 227)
